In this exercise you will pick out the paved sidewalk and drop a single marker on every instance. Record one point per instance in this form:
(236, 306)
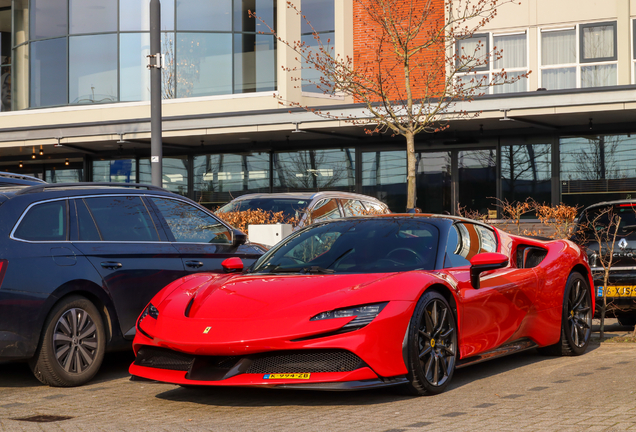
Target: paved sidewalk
(525, 391)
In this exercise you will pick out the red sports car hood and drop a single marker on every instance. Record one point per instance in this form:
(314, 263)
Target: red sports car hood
(257, 307)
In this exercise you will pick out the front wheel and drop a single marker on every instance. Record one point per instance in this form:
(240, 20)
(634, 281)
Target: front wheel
(576, 319)
(72, 346)
(432, 345)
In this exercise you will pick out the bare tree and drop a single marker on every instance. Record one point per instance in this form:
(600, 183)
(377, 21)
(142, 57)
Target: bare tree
(416, 70)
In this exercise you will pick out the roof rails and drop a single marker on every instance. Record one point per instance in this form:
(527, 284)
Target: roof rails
(88, 185)
(21, 177)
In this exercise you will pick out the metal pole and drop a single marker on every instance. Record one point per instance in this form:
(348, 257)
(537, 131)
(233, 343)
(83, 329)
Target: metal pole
(156, 151)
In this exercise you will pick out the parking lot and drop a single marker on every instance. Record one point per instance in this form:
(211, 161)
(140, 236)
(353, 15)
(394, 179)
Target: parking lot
(525, 391)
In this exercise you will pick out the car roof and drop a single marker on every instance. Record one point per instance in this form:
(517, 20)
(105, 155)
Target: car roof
(308, 196)
(611, 203)
(74, 189)
(8, 179)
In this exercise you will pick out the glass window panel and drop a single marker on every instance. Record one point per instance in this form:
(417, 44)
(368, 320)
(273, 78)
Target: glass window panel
(477, 179)
(218, 177)
(475, 82)
(44, 222)
(92, 16)
(49, 18)
(122, 218)
(320, 14)
(558, 47)
(310, 76)
(204, 64)
(314, 170)
(93, 69)
(560, 78)
(263, 9)
(134, 15)
(118, 171)
(87, 231)
(475, 50)
(5, 88)
(254, 63)
(598, 42)
(526, 172)
(325, 210)
(598, 76)
(134, 82)
(204, 15)
(513, 49)
(190, 224)
(68, 175)
(168, 74)
(174, 170)
(48, 73)
(433, 181)
(384, 177)
(597, 168)
(353, 208)
(520, 85)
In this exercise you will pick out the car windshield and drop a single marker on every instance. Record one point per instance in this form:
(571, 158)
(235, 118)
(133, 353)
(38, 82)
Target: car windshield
(378, 245)
(598, 217)
(291, 207)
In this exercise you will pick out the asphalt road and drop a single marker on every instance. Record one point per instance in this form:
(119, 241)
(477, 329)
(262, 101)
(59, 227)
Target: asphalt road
(525, 391)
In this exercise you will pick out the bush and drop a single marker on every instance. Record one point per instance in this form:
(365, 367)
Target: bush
(241, 219)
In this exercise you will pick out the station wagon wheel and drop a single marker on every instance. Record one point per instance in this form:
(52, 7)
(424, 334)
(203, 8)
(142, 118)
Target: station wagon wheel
(576, 320)
(432, 345)
(72, 345)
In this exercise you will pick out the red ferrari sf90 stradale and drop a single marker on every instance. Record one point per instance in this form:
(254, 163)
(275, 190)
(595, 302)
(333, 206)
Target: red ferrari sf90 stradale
(395, 300)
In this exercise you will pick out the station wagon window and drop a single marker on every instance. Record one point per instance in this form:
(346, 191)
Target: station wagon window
(325, 210)
(190, 224)
(44, 222)
(374, 208)
(86, 227)
(122, 218)
(352, 208)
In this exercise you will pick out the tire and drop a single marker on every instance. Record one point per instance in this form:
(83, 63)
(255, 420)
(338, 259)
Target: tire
(576, 319)
(627, 319)
(72, 345)
(432, 346)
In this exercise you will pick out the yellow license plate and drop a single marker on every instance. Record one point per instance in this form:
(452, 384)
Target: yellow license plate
(301, 376)
(618, 291)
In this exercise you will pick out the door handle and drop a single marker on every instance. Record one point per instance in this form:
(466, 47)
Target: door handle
(110, 265)
(194, 264)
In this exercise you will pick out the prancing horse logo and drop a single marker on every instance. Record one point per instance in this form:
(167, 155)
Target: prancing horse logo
(622, 244)
(207, 330)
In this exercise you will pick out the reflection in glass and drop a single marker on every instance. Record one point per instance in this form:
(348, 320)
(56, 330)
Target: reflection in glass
(320, 14)
(560, 78)
(74, 175)
(168, 74)
(254, 63)
(93, 69)
(92, 16)
(204, 64)
(134, 81)
(49, 18)
(475, 51)
(118, 171)
(598, 42)
(433, 182)
(134, 15)
(204, 15)
(48, 73)
(264, 9)
(175, 174)
(314, 169)
(526, 172)
(477, 179)
(384, 177)
(311, 76)
(597, 168)
(598, 76)
(190, 224)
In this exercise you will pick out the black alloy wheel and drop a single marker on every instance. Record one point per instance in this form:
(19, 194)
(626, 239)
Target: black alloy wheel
(576, 320)
(72, 345)
(432, 345)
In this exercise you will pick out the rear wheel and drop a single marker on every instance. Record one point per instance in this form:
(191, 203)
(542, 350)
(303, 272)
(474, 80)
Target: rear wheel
(72, 346)
(576, 319)
(432, 345)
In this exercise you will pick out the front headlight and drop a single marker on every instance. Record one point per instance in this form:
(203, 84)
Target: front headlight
(150, 311)
(363, 315)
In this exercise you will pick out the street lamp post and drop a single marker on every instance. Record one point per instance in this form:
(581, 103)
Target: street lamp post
(156, 63)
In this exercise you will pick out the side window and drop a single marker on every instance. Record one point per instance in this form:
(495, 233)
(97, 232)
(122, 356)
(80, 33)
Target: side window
(86, 225)
(122, 218)
(44, 222)
(352, 208)
(487, 239)
(454, 247)
(190, 224)
(467, 240)
(374, 208)
(324, 210)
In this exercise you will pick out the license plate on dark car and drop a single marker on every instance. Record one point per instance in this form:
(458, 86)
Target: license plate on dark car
(618, 291)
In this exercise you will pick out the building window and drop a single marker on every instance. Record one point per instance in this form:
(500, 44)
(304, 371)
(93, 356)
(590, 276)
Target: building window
(5, 59)
(474, 56)
(332, 169)
(593, 64)
(321, 16)
(384, 177)
(526, 172)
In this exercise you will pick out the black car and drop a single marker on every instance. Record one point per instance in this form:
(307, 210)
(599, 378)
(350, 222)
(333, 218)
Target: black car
(79, 262)
(621, 291)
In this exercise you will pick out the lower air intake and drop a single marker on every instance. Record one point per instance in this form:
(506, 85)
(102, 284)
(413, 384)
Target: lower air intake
(163, 359)
(306, 361)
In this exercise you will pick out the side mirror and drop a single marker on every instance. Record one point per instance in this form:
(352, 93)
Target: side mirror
(239, 238)
(484, 262)
(232, 265)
